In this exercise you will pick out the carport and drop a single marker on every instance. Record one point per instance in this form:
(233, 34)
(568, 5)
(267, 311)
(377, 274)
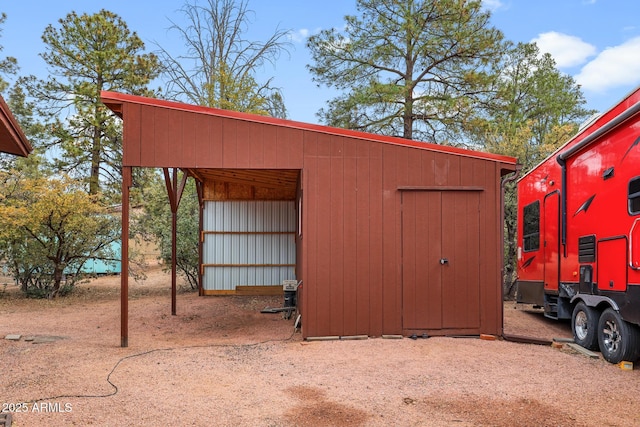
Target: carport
(391, 237)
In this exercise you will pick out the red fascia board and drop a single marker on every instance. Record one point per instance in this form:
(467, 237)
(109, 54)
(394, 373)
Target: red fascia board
(114, 100)
(18, 143)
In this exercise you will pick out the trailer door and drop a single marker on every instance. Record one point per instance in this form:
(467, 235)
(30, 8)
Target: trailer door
(551, 233)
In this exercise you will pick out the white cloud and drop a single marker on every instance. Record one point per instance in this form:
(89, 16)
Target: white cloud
(613, 67)
(300, 36)
(566, 50)
(492, 4)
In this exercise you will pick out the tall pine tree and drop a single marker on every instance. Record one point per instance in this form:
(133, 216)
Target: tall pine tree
(408, 68)
(86, 54)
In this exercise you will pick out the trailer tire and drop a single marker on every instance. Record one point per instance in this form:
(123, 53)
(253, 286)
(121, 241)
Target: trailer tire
(618, 339)
(584, 324)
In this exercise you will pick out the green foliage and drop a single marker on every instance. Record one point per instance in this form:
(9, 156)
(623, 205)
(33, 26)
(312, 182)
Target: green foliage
(37, 134)
(409, 68)
(535, 109)
(49, 228)
(218, 70)
(86, 54)
(8, 65)
(8, 68)
(153, 224)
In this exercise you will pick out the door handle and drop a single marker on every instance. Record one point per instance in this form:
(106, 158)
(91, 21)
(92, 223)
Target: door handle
(444, 261)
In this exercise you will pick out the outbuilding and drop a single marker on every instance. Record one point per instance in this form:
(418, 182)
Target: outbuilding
(12, 139)
(385, 236)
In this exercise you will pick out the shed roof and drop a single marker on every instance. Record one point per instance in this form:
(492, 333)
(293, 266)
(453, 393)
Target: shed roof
(12, 139)
(115, 102)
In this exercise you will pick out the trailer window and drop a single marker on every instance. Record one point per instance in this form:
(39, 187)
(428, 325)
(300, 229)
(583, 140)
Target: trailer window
(634, 196)
(531, 231)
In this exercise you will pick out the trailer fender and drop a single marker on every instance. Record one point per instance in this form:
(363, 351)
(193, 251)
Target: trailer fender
(594, 301)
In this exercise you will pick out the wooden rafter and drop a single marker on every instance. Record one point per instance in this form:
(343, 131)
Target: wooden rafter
(266, 178)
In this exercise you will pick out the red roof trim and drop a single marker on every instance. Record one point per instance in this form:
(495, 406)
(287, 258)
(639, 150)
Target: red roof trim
(112, 99)
(18, 143)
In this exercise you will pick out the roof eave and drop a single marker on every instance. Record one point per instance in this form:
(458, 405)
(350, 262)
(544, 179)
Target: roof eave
(18, 143)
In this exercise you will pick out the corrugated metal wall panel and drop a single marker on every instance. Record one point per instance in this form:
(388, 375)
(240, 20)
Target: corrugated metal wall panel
(248, 243)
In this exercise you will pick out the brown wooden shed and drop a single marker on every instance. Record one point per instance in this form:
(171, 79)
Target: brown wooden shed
(393, 236)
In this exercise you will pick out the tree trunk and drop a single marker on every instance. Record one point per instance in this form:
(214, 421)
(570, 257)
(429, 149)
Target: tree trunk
(57, 280)
(408, 121)
(96, 148)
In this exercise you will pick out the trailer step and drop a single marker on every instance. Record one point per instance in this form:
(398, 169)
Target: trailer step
(551, 307)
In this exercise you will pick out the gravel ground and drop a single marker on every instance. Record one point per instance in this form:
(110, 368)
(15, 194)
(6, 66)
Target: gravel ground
(221, 362)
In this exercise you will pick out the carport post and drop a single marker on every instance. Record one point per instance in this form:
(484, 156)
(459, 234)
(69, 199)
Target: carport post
(174, 191)
(124, 256)
(174, 248)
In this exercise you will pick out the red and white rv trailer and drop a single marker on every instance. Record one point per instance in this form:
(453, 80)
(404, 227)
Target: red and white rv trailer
(579, 233)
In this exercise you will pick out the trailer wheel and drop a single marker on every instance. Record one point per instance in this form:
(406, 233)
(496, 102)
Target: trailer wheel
(584, 323)
(618, 339)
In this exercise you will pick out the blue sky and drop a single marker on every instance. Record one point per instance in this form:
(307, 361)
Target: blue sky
(595, 41)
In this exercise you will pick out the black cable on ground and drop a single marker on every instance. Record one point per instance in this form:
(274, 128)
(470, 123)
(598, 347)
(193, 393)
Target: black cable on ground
(144, 353)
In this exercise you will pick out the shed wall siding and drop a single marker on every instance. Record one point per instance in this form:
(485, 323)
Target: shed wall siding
(353, 235)
(158, 137)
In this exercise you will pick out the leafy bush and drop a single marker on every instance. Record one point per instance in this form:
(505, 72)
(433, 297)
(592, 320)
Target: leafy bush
(50, 227)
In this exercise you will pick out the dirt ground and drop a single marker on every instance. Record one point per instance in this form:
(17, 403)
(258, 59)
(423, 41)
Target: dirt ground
(220, 362)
